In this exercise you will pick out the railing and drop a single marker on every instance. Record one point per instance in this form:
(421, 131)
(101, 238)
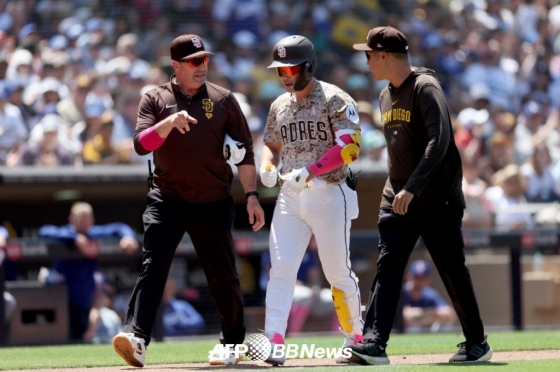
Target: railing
(35, 250)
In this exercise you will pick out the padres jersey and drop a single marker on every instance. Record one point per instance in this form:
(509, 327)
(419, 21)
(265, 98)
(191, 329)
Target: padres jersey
(306, 129)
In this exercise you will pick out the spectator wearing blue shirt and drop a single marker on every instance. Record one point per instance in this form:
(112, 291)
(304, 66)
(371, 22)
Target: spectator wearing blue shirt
(9, 300)
(79, 273)
(424, 308)
(179, 317)
(104, 322)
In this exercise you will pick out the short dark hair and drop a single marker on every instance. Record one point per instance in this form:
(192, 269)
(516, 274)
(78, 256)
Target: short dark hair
(400, 56)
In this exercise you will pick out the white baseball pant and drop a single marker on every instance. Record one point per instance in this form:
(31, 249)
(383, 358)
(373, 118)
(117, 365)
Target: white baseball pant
(323, 210)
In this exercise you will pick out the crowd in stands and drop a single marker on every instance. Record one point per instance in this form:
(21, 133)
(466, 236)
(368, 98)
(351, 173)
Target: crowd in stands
(72, 73)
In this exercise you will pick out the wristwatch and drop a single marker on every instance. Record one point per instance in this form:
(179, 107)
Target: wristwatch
(250, 193)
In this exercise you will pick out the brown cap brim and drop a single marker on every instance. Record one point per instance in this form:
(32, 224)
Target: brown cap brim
(198, 54)
(362, 47)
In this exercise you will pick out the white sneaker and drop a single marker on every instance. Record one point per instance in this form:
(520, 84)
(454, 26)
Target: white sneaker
(275, 339)
(218, 359)
(131, 348)
(349, 341)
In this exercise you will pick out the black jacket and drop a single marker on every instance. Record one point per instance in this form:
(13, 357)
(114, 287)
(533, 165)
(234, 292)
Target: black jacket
(423, 158)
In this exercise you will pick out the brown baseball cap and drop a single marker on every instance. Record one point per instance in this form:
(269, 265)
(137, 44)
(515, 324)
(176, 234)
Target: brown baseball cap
(188, 46)
(385, 39)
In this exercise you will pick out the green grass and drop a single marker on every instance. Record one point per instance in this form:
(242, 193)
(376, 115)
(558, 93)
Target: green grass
(79, 356)
(513, 366)
(445, 343)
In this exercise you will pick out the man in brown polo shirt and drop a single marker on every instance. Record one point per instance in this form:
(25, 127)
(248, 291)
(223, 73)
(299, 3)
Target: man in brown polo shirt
(184, 123)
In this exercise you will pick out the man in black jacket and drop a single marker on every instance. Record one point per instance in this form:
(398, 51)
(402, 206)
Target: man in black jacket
(422, 198)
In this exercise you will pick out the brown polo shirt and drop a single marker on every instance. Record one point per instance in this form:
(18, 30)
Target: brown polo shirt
(191, 167)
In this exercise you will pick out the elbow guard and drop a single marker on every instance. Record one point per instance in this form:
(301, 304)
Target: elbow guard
(351, 150)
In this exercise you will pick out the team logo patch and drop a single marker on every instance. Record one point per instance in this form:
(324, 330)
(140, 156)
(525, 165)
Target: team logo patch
(281, 52)
(352, 114)
(208, 106)
(196, 42)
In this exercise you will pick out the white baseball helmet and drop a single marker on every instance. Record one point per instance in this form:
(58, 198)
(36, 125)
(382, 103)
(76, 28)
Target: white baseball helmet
(234, 151)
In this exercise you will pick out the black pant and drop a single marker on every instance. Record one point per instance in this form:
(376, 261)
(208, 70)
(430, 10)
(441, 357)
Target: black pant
(79, 322)
(441, 232)
(209, 227)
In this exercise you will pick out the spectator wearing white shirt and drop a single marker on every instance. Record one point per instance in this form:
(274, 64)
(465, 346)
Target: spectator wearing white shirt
(476, 213)
(46, 151)
(529, 123)
(541, 186)
(20, 67)
(506, 194)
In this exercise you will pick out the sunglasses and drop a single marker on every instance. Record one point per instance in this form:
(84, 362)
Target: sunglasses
(195, 62)
(288, 71)
(368, 55)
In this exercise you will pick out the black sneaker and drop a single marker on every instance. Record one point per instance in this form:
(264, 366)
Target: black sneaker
(472, 352)
(369, 354)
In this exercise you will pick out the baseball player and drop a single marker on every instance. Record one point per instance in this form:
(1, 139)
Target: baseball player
(422, 198)
(313, 129)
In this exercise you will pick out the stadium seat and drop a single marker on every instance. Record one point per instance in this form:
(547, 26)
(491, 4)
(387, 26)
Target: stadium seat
(41, 315)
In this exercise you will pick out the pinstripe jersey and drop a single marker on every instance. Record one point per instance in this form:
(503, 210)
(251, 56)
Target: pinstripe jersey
(306, 129)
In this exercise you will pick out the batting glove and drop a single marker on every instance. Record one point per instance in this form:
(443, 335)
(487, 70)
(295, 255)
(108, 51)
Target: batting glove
(269, 175)
(296, 177)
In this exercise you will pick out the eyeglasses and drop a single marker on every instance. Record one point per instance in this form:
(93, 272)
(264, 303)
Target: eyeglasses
(368, 55)
(288, 71)
(195, 62)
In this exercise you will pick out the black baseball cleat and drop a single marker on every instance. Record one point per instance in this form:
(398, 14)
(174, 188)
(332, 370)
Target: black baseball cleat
(472, 352)
(369, 353)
